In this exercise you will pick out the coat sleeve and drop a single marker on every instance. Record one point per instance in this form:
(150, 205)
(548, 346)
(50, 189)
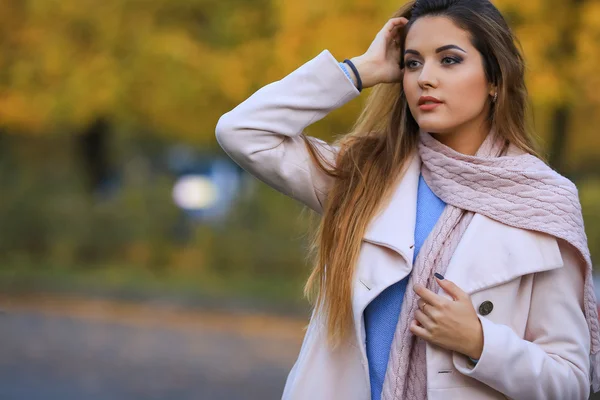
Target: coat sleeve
(552, 361)
(262, 134)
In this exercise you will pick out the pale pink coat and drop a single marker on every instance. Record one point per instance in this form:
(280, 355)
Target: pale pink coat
(536, 339)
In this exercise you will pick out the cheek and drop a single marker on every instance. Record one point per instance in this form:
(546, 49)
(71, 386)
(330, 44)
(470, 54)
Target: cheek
(410, 86)
(468, 93)
(412, 91)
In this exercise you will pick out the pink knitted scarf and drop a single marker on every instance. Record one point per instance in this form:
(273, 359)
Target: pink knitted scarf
(503, 184)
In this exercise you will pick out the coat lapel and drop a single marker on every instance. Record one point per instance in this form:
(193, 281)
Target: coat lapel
(491, 253)
(394, 226)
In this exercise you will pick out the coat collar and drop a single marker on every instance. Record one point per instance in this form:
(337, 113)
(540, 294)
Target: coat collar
(394, 226)
(491, 253)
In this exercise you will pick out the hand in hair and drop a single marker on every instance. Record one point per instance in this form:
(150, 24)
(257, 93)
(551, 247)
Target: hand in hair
(380, 63)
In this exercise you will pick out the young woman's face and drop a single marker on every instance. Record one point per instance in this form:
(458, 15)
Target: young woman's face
(441, 62)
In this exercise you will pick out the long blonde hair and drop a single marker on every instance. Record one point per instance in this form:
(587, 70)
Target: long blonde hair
(372, 157)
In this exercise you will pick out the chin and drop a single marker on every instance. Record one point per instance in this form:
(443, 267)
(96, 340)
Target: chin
(435, 126)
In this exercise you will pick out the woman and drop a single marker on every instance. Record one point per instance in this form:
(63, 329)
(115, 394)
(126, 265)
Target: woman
(439, 177)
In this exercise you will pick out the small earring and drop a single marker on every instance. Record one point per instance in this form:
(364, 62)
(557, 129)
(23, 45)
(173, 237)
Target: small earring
(495, 97)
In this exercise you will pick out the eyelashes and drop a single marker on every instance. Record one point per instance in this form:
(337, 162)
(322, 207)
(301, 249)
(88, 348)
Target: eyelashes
(446, 61)
(455, 60)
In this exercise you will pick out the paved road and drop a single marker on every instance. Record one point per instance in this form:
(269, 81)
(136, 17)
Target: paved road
(73, 349)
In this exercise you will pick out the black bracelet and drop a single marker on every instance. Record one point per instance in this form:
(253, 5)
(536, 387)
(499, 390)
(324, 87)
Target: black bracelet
(358, 80)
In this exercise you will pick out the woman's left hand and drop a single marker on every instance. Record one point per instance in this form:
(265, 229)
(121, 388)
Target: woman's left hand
(451, 324)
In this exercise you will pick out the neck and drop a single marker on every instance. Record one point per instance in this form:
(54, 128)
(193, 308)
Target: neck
(465, 141)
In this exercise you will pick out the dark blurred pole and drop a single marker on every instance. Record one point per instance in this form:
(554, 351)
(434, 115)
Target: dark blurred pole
(558, 137)
(93, 145)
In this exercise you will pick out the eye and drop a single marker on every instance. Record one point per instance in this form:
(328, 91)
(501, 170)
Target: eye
(411, 64)
(451, 60)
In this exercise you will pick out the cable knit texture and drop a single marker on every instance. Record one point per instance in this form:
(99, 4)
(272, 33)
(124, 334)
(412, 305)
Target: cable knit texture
(513, 188)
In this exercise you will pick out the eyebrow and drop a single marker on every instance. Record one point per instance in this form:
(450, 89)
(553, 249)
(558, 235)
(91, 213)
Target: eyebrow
(438, 50)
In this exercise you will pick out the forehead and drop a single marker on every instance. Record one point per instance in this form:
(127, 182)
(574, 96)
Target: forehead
(429, 33)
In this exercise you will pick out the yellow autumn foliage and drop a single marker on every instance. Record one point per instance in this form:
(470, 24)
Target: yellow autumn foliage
(174, 67)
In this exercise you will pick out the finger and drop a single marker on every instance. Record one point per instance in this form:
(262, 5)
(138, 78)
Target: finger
(398, 21)
(452, 289)
(395, 23)
(424, 320)
(427, 295)
(395, 35)
(395, 30)
(425, 308)
(419, 330)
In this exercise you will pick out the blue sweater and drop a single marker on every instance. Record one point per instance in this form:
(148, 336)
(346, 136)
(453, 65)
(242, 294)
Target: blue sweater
(381, 315)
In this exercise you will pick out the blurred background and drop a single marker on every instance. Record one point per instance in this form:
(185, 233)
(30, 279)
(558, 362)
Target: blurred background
(136, 260)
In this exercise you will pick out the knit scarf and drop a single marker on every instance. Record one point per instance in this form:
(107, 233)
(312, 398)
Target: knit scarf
(509, 186)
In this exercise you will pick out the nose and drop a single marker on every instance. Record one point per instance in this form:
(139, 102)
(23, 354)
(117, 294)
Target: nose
(427, 77)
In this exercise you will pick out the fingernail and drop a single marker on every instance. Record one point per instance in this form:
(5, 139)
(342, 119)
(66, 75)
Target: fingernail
(439, 276)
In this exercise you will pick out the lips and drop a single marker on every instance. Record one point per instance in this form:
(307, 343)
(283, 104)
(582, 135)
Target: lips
(428, 100)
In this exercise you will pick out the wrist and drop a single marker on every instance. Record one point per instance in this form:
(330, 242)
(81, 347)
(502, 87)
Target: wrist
(476, 348)
(475, 354)
(367, 71)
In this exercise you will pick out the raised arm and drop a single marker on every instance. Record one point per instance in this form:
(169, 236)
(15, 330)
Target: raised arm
(262, 134)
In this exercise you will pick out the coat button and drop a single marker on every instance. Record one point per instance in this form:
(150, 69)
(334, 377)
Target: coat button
(486, 307)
